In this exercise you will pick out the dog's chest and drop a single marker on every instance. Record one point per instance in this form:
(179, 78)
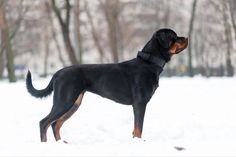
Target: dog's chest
(155, 85)
(149, 85)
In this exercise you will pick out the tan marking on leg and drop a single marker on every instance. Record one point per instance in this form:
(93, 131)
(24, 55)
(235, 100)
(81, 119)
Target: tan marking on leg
(44, 137)
(137, 132)
(79, 99)
(66, 116)
(44, 134)
(57, 129)
(62, 119)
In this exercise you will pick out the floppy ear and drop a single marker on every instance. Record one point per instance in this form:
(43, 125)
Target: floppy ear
(161, 38)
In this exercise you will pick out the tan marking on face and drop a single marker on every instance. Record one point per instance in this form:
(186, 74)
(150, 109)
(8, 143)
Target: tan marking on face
(179, 45)
(173, 49)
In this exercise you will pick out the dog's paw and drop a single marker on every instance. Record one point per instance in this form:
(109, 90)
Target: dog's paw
(136, 139)
(62, 141)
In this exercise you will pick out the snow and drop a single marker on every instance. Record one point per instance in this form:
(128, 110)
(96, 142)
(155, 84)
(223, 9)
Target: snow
(197, 115)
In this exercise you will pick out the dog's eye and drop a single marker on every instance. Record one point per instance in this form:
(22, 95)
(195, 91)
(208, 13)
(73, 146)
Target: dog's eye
(174, 39)
(171, 43)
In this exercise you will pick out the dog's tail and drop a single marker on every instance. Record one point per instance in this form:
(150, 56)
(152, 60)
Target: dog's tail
(35, 92)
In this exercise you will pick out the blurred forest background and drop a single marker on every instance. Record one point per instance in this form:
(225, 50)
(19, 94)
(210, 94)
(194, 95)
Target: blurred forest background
(46, 35)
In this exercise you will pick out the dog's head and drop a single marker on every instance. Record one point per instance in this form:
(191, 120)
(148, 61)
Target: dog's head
(165, 43)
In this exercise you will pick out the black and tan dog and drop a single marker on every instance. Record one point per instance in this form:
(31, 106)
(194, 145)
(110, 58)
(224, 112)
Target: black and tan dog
(131, 82)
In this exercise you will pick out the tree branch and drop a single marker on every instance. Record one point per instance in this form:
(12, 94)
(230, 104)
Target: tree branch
(57, 12)
(17, 24)
(68, 7)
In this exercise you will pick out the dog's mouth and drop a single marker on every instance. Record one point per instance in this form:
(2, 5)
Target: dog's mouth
(178, 46)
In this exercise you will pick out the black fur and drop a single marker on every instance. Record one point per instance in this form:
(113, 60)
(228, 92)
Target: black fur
(38, 93)
(131, 82)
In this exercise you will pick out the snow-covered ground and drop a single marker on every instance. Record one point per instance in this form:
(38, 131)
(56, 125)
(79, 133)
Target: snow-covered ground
(196, 114)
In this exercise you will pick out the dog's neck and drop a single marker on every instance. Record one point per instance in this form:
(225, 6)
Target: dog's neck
(152, 59)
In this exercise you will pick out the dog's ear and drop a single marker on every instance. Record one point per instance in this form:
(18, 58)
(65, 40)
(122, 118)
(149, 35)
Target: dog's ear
(162, 39)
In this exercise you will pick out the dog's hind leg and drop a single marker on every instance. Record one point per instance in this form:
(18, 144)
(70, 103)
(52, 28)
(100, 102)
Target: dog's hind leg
(48, 120)
(60, 107)
(58, 123)
(43, 129)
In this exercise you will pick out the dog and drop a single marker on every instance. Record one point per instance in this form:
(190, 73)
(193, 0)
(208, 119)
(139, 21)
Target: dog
(132, 82)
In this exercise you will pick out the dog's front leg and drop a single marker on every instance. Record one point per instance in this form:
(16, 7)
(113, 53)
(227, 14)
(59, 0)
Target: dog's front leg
(139, 112)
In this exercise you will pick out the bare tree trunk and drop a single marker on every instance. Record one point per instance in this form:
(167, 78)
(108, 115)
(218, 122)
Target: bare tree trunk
(229, 66)
(46, 34)
(94, 33)
(167, 14)
(54, 35)
(78, 30)
(10, 60)
(7, 41)
(232, 8)
(65, 30)
(194, 6)
(46, 44)
(111, 9)
(2, 64)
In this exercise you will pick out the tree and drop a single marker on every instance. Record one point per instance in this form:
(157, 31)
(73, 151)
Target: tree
(232, 8)
(194, 6)
(46, 36)
(228, 38)
(77, 19)
(2, 63)
(65, 29)
(54, 34)
(94, 32)
(6, 43)
(112, 10)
